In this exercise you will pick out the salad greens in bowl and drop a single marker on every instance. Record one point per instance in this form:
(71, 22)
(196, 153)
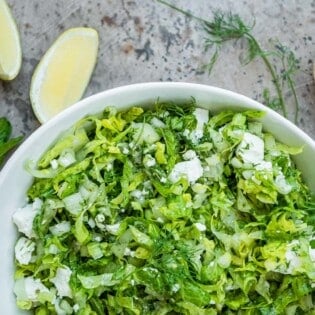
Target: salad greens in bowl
(160, 198)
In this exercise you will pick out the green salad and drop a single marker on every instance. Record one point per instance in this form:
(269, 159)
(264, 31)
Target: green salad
(171, 210)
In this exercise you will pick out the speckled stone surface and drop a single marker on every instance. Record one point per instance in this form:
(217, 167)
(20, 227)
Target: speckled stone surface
(142, 40)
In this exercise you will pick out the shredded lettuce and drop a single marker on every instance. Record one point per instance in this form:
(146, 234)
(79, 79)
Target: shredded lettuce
(166, 211)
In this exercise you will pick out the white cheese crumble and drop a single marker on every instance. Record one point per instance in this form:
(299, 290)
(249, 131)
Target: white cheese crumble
(251, 149)
(282, 186)
(264, 165)
(91, 223)
(76, 308)
(202, 116)
(67, 158)
(61, 281)
(53, 249)
(149, 161)
(113, 228)
(23, 250)
(189, 155)
(175, 288)
(129, 252)
(160, 220)
(157, 123)
(163, 180)
(125, 151)
(138, 194)
(109, 166)
(200, 226)
(192, 170)
(24, 217)
(60, 228)
(100, 218)
(54, 164)
(224, 261)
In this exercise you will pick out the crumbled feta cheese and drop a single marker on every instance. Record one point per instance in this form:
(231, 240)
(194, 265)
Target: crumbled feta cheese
(157, 123)
(76, 308)
(60, 228)
(24, 217)
(54, 164)
(192, 170)
(125, 151)
(113, 228)
(264, 165)
(137, 194)
(160, 220)
(149, 161)
(91, 223)
(200, 226)
(61, 281)
(100, 218)
(282, 186)
(251, 149)
(186, 133)
(129, 252)
(195, 136)
(23, 250)
(202, 116)
(189, 155)
(67, 157)
(224, 261)
(53, 249)
(175, 288)
(109, 166)
(98, 238)
(163, 180)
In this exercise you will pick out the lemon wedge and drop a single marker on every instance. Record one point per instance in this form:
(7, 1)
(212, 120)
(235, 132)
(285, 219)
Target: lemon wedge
(63, 73)
(10, 46)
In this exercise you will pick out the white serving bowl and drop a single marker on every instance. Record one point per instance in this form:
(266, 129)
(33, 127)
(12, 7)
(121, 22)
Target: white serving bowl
(14, 180)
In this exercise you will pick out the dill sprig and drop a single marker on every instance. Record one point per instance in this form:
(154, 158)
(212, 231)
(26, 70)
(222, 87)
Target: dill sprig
(227, 26)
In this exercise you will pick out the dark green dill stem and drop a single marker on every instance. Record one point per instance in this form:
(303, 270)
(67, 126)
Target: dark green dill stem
(290, 65)
(296, 102)
(275, 79)
(228, 26)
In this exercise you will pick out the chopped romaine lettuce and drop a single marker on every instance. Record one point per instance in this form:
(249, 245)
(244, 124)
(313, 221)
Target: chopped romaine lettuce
(166, 211)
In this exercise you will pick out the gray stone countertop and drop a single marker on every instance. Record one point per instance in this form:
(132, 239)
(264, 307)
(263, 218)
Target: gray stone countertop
(143, 40)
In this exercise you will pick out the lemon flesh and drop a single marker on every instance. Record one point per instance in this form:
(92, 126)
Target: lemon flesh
(10, 47)
(64, 72)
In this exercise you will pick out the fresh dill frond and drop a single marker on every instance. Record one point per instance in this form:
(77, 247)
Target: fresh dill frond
(224, 27)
